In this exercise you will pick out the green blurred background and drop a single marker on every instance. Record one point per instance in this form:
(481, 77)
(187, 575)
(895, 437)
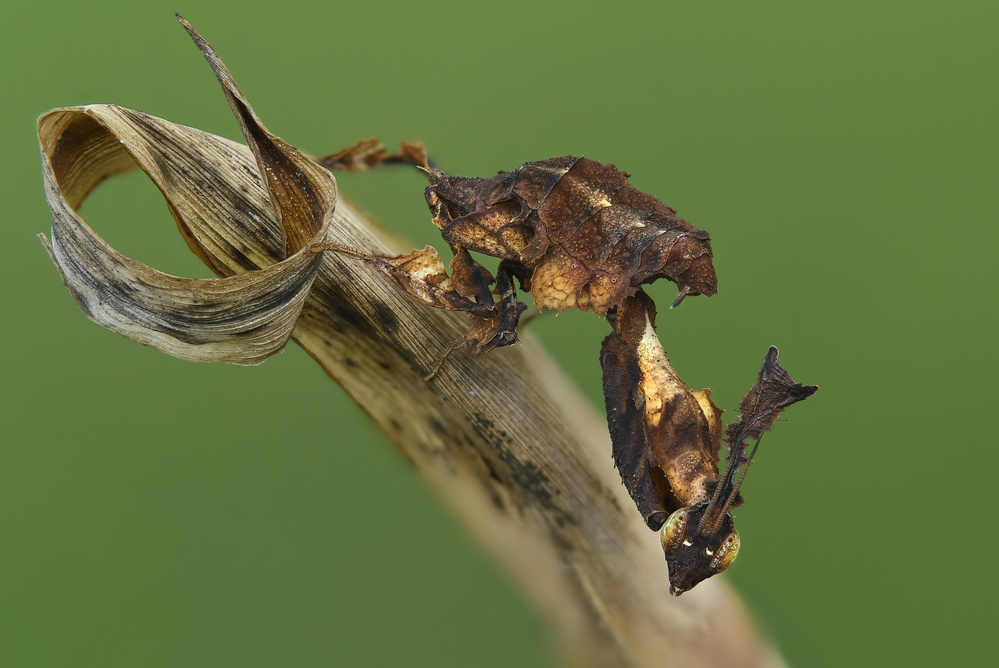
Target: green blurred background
(155, 512)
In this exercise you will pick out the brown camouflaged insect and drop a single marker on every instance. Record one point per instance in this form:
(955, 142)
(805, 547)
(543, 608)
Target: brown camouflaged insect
(578, 236)
(570, 229)
(667, 438)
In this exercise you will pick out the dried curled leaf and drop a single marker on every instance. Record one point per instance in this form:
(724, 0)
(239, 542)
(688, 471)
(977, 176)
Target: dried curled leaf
(249, 229)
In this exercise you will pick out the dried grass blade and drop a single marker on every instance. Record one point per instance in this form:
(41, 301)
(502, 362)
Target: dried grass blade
(241, 319)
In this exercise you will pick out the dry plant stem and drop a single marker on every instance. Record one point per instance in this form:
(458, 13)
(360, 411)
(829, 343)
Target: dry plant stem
(504, 439)
(516, 452)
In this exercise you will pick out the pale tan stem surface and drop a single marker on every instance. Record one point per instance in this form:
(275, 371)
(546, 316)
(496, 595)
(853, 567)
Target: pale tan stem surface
(524, 460)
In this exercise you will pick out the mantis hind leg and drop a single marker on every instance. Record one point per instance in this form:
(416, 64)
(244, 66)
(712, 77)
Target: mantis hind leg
(368, 153)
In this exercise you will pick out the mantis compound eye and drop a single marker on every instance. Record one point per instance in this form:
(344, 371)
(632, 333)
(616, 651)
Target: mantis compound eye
(692, 556)
(672, 532)
(723, 556)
